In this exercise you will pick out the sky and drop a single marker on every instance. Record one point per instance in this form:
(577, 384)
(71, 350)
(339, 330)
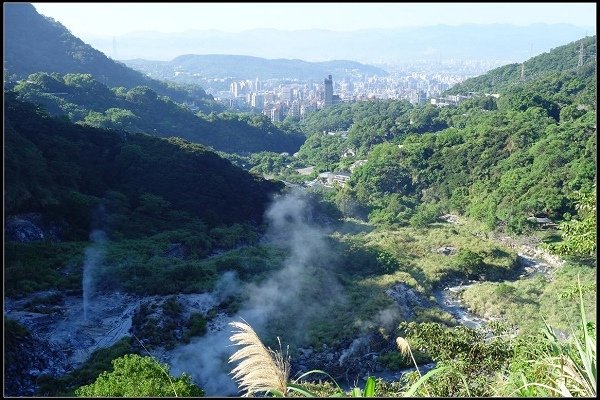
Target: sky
(88, 20)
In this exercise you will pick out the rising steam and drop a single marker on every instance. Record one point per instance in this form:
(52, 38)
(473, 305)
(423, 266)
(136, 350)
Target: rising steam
(94, 255)
(303, 288)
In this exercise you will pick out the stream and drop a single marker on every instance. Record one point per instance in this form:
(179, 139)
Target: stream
(448, 299)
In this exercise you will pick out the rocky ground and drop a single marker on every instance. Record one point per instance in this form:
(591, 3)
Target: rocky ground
(61, 339)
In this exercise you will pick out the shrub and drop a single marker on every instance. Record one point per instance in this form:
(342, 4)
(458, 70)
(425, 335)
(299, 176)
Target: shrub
(137, 376)
(469, 262)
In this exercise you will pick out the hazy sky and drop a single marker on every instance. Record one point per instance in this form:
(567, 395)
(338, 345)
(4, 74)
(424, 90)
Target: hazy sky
(107, 19)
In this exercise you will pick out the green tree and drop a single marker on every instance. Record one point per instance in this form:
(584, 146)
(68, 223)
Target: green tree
(579, 235)
(470, 262)
(137, 376)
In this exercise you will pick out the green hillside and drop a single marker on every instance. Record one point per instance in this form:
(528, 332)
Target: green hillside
(86, 101)
(34, 43)
(64, 171)
(558, 60)
(498, 159)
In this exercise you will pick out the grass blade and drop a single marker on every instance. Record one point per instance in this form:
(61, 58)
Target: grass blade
(370, 387)
(415, 386)
(299, 389)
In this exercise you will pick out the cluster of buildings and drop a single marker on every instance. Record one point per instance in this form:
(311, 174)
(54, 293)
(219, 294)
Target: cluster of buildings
(278, 99)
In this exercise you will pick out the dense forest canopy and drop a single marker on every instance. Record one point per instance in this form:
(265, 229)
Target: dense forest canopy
(57, 167)
(561, 59)
(94, 146)
(86, 101)
(500, 159)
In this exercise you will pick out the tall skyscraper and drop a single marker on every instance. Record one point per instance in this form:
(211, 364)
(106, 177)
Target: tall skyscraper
(234, 88)
(258, 101)
(328, 82)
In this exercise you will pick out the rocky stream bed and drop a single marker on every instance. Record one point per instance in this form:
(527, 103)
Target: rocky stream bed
(62, 339)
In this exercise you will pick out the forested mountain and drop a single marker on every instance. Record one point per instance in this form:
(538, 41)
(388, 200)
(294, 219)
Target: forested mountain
(559, 60)
(34, 43)
(113, 231)
(497, 160)
(247, 67)
(141, 109)
(65, 171)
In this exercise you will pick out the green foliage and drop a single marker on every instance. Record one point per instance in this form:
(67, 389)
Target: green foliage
(470, 262)
(368, 123)
(37, 266)
(136, 376)
(579, 235)
(488, 159)
(196, 325)
(548, 366)
(382, 174)
(14, 334)
(82, 165)
(99, 361)
(469, 358)
(502, 78)
(394, 360)
(425, 214)
(141, 109)
(527, 302)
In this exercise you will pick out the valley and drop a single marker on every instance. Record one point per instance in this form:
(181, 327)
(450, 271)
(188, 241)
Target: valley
(446, 248)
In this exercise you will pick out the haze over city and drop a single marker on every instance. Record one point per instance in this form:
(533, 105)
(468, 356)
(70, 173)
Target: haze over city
(426, 48)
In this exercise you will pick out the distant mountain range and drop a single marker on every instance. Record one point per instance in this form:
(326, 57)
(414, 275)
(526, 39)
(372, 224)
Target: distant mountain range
(247, 67)
(504, 42)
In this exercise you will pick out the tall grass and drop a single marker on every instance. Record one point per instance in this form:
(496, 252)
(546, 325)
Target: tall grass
(576, 371)
(567, 368)
(265, 371)
(261, 370)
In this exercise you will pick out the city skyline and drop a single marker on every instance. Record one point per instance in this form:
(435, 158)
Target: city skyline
(88, 20)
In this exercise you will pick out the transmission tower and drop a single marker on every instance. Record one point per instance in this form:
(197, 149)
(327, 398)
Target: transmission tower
(580, 61)
(523, 71)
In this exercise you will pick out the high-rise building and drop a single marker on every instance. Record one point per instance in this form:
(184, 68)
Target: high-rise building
(418, 97)
(328, 100)
(276, 114)
(234, 88)
(258, 101)
(294, 110)
(286, 93)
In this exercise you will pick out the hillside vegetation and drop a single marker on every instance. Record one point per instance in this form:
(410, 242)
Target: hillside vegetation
(86, 101)
(360, 264)
(558, 60)
(34, 43)
(52, 160)
(499, 160)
